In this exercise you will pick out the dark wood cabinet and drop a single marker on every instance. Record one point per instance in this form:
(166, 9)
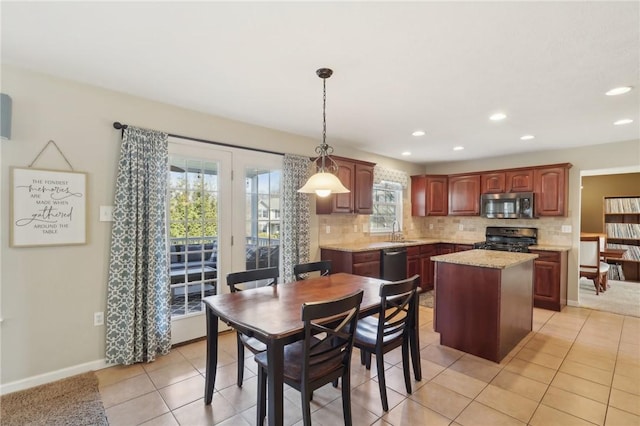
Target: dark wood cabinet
(446, 248)
(519, 180)
(419, 262)
(550, 280)
(427, 266)
(551, 190)
(464, 195)
(493, 183)
(429, 195)
(358, 177)
(463, 247)
(365, 263)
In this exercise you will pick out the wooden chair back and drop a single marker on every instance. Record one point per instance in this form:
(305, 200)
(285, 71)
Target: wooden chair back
(302, 270)
(238, 281)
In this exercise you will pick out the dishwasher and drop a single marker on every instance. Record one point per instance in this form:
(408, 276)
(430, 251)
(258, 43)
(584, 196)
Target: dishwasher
(394, 264)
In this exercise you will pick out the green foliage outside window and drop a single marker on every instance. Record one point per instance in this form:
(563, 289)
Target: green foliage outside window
(193, 213)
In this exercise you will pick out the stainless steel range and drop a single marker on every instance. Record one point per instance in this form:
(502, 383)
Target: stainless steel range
(506, 238)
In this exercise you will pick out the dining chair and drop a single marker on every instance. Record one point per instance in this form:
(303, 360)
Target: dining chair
(591, 267)
(302, 269)
(389, 330)
(238, 281)
(322, 356)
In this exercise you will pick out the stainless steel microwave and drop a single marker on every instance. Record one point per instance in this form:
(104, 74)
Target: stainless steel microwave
(516, 205)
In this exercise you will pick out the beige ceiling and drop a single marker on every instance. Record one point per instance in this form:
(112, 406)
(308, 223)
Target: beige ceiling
(442, 67)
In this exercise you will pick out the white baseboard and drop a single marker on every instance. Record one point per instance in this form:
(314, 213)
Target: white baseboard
(573, 303)
(52, 376)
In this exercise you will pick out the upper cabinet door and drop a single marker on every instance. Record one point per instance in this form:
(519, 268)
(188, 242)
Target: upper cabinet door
(437, 196)
(519, 181)
(464, 195)
(493, 183)
(418, 195)
(551, 190)
(363, 189)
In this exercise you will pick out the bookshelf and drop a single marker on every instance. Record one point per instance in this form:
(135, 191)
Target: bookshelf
(622, 226)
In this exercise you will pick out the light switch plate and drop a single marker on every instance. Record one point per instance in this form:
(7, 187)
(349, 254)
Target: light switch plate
(566, 229)
(106, 213)
(355, 228)
(327, 229)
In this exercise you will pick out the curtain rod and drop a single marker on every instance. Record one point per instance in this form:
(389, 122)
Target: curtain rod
(119, 126)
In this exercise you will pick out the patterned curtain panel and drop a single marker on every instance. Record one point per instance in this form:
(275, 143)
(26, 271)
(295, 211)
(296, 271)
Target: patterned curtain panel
(138, 311)
(295, 215)
(388, 175)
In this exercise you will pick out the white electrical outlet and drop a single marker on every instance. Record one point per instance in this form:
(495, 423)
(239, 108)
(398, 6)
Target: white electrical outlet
(327, 229)
(460, 227)
(566, 229)
(365, 228)
(355, 228)
(98, 318)
(431, 226)
(411, 226)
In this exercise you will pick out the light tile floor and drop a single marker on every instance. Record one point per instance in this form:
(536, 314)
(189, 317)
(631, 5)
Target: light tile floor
(578, 367)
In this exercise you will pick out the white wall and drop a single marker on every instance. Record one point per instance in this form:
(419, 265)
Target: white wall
(49, 294)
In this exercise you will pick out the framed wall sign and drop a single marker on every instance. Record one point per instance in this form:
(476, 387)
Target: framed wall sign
(48, 207)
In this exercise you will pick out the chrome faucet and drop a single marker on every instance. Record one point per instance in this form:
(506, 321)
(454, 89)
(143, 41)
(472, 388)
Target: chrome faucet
(396, 234)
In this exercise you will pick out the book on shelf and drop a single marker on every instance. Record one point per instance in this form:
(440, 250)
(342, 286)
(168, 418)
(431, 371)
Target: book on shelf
(622, 205)
(615, 273)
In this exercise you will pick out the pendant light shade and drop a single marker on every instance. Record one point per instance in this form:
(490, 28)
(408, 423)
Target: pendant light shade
(324, 182)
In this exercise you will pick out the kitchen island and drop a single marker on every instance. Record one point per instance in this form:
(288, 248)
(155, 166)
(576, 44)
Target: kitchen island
(483, 301)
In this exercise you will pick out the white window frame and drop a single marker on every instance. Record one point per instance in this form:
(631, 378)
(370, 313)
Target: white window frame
(374, 227)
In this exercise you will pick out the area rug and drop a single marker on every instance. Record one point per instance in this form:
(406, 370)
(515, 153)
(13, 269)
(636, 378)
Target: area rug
(622, 297)
(426, 299)
(71, 401)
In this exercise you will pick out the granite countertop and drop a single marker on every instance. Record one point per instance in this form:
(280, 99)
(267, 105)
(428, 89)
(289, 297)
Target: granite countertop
(544, 247)
(486, 258)
(380, 245)
(354, 247)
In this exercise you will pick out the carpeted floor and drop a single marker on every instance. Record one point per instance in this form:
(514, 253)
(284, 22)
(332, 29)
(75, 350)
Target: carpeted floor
(71, 401)
(426, 299)
(622, 297)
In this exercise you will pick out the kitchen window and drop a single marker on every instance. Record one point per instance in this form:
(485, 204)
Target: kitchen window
(387, 207)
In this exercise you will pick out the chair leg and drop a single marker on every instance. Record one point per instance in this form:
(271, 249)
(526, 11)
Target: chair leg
(406, 366)
(596, 283)
(306, 405)
(367, 360)
(381, 381)
(240, 361)
(262, 396)
(346, 397)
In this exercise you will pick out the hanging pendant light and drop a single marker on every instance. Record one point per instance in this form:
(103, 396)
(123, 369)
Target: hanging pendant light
(324, 182)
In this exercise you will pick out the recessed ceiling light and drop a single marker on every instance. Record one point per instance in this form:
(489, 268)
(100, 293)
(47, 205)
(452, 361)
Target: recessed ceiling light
(619, 91)
(623, 121)
(498, 116)
(418, 133)
(527, 137)
(406, 153)
(458, 148)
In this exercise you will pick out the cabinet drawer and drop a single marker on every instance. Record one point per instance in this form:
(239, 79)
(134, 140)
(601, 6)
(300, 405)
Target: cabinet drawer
(366, 256)
(428, 249)
(548, 256)
(413, 251)
(368, 269)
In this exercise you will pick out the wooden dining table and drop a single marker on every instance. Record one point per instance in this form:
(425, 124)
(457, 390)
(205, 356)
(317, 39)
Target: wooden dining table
(272, 315)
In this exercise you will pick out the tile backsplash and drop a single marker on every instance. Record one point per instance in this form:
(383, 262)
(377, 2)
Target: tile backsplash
(349, 228)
